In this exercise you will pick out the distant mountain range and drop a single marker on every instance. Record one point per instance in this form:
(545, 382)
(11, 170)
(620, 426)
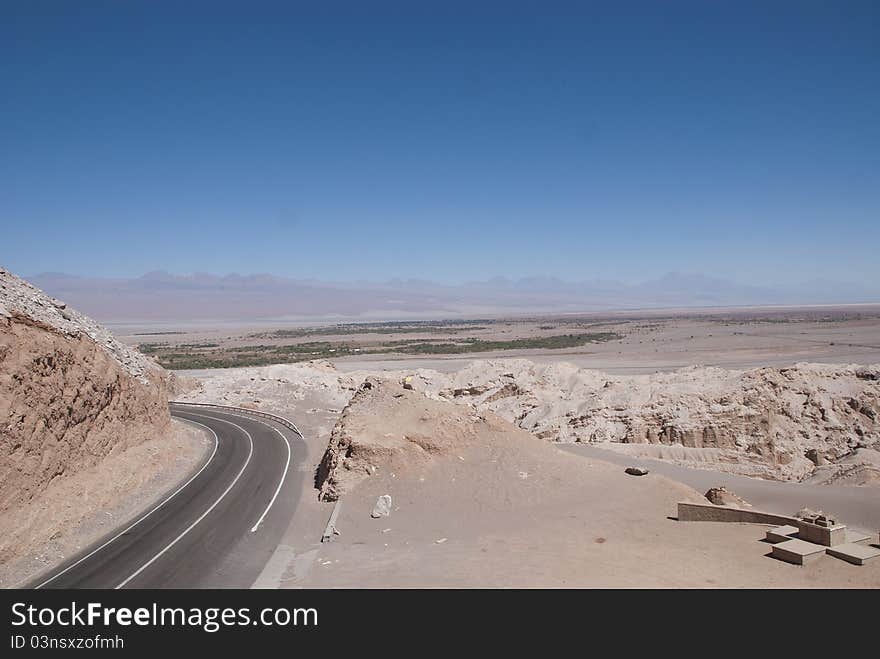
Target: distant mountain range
(161, 296)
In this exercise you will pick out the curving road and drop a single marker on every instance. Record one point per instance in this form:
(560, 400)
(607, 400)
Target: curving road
(218, 529)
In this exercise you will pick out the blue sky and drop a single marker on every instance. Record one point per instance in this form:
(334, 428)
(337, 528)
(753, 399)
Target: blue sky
(447, 141)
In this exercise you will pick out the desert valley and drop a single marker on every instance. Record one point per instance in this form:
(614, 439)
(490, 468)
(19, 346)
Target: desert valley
(501, 451)
(323, 323)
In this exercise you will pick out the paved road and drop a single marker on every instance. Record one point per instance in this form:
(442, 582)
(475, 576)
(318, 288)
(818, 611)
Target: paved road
(218, 529)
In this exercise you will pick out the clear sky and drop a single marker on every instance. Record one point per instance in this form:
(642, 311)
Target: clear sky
(442, 140)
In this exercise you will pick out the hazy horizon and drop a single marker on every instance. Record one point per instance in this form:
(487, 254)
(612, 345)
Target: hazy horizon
(546, 279)
(160, 296)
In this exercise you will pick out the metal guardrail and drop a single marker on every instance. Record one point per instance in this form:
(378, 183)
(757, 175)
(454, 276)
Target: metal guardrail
(243, 410)
(330, 530)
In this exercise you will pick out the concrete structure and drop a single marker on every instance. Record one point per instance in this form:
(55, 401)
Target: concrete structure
(818, 529)
(822, 530)
(781, 533)
(709, 512)
(797, 541)
(797, 551)
(853, 553)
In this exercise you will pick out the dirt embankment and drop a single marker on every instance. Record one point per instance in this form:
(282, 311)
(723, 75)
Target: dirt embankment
(78, 509)
(65, 404)
(391, 428)
(74, 402)
(66, 400)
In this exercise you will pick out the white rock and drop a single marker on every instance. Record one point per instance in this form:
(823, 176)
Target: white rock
(382, 507)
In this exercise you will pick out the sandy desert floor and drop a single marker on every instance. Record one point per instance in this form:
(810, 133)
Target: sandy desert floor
(858, 505)
(522, 513)
(668, 345)
(648, 342)
(588, 525)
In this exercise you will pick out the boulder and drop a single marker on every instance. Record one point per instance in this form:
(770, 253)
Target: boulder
(382, 507)
(721, 496)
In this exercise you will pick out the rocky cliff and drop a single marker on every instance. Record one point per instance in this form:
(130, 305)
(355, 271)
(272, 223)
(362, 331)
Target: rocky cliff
(781, 423)
(818, 422)
(70, 394)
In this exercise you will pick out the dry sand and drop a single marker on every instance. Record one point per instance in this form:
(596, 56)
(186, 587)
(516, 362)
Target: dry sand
(858, 506)
(486, 504)
(597, 528)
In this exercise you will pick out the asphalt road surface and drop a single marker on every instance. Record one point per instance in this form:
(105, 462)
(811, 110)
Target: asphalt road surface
(217, 529)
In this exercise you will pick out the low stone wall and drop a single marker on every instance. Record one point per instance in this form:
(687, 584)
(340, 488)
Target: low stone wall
(709, 512)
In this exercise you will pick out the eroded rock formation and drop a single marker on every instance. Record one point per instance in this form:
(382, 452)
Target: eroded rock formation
(70, 394)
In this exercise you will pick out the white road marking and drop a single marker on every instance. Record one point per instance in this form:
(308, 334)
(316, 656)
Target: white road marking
(283, 476)
(141, 519)
(204, 514)
(286, 466)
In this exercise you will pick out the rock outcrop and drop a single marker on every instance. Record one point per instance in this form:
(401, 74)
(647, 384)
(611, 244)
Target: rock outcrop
(388, 427)
(721, 496)
(817, 422)
(382, 507)
(70, 394)
(781, 423)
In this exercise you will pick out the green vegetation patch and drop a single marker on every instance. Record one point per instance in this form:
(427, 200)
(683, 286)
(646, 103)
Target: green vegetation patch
(556, 342)
(415, 327)
(208, 355)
